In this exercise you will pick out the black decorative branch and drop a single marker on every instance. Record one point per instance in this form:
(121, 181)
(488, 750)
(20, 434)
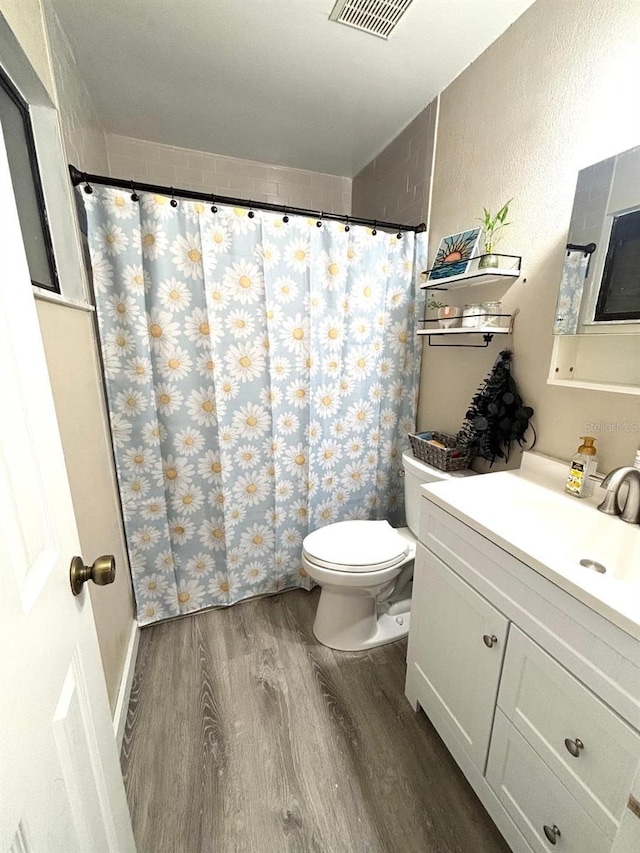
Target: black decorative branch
(497, 417)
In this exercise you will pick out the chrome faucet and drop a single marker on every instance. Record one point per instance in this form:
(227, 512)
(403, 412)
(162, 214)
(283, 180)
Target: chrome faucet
(612, 483)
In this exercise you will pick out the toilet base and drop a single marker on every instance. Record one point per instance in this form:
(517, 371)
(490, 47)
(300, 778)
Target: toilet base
(399, 608)
(352, 623)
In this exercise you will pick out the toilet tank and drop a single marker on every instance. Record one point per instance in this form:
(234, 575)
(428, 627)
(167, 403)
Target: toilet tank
(416, 474)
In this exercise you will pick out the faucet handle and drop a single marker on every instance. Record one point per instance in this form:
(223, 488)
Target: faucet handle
(612, 483)
(610, 505)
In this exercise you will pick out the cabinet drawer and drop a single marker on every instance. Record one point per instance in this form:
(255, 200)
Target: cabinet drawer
(456, 647)
(535, 798)
(548, 705)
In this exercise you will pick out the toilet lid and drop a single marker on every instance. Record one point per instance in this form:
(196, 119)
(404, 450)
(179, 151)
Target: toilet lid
(357, 546)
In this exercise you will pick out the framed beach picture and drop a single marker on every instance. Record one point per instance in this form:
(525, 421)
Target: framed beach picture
(454, 253)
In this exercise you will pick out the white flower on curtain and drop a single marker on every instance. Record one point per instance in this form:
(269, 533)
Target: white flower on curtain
(261, 377)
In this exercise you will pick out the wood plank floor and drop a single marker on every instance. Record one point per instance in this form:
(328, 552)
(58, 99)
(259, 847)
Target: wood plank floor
(245, 735)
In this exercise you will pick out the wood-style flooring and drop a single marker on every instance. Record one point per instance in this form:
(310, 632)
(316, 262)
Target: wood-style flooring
(245, 735)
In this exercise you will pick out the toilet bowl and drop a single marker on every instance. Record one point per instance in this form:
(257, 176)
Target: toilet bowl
(355, 563)
(365, 568)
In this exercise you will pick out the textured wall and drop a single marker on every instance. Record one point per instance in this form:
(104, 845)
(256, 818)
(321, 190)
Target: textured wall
(154, 163)
(548, 98)
(26, 20)
(394, 186)
(82, 130)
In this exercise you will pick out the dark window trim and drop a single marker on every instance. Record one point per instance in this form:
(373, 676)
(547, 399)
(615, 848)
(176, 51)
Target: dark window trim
(23, 106)
(602, 316)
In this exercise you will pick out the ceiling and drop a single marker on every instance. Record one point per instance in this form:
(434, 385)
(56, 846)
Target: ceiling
(272, 80)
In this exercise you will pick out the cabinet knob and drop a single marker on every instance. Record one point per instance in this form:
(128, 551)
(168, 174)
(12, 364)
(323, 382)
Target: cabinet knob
(574, 746)
(552, 833)
(489, 641)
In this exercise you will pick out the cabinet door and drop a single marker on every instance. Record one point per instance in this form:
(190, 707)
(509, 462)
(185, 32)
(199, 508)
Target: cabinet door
(456, 647)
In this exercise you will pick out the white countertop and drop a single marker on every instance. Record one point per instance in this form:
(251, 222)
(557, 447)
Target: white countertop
(528, 514)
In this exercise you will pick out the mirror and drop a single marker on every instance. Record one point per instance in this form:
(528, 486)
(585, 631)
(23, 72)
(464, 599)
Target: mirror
(600, 284)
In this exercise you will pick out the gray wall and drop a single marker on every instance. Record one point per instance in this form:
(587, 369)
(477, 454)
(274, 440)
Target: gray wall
(394, 186)
(152, 162)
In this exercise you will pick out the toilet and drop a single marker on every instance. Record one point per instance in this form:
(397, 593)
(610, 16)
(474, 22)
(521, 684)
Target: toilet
(365, 570)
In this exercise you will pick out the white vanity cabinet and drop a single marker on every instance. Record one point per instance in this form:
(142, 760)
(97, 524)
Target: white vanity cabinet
(536, 696)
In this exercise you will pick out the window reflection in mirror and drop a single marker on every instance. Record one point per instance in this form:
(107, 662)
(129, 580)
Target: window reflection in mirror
(606, 211)
(619, 291)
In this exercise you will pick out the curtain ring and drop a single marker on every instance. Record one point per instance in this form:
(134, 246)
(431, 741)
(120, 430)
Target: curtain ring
(134, 194)
(251, 214)
(173, 201)
(319, 222)
(87, 186)
(399, 234)
(375, 227)
(347, 227)
(285, 218)
(214, 208)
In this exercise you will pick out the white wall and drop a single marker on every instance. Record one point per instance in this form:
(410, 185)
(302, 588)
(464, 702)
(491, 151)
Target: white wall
(82, 130)
(26, 20)
(552, 95)
(154, 163)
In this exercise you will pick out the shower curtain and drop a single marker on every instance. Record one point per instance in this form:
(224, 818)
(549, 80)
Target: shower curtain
(261, 378)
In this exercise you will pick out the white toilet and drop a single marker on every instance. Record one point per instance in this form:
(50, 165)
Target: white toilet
(365, 569)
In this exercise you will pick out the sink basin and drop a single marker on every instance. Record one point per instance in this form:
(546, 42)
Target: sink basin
(594, 556)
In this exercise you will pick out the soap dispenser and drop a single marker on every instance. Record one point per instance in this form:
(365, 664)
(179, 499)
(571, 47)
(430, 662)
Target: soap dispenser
(583, 464)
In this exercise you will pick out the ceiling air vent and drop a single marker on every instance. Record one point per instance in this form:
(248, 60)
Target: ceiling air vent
(378, 17)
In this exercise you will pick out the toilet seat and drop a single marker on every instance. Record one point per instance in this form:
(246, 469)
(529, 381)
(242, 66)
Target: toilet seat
(356, 546)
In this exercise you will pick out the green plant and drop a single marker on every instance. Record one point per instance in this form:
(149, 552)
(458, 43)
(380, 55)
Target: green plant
(493, 224)
(432, 303)
(496, 417)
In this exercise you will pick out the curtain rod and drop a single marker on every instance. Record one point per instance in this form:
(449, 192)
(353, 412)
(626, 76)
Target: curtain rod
(78, 177)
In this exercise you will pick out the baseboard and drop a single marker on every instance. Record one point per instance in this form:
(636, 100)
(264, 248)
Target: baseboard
(122, 704)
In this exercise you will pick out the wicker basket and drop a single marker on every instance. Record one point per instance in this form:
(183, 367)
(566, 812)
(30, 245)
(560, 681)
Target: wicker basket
(439, 457)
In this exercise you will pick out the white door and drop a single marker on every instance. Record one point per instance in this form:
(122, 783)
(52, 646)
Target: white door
(61, 788)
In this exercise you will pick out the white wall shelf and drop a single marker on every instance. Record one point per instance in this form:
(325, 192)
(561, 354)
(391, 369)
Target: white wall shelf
(487, 333)
(609, 362)
(615, 387)
(488, 330)
(510, 269)
(481, 330)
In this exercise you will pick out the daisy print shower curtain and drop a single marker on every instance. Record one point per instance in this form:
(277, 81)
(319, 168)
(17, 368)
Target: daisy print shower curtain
(261, 379)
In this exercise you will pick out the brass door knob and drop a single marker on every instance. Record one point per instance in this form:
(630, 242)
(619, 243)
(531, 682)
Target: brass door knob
(102, 572)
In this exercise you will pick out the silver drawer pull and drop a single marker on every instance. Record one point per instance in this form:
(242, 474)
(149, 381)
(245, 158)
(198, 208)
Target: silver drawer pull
(574, 746)
(552, 833)
(489, 641)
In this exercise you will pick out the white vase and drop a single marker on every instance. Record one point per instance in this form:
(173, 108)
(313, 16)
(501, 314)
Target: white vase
(448, 316)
